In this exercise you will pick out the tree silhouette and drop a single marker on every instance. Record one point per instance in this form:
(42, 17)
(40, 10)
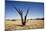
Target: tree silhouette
(21, 15)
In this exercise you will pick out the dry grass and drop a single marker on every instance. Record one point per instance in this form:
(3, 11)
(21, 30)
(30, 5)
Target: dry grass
(31, 24)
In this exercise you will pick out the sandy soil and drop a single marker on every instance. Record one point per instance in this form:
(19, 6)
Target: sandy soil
(30, 24)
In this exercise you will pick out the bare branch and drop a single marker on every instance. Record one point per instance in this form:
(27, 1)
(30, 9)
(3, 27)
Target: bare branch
(16, 9)
(27, 12)
(19, 11)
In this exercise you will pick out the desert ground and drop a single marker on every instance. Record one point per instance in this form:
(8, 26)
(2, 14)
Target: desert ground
(30, 24)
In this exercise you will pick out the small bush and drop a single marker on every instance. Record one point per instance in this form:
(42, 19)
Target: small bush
(13, 20)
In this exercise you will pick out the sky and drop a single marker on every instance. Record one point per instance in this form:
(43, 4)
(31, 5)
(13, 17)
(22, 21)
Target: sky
(36, 10)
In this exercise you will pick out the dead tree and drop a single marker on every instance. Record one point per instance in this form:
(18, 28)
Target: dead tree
(21, 14)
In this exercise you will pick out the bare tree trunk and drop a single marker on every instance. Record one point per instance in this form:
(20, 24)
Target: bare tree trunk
(22, 19)
(25, 20)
